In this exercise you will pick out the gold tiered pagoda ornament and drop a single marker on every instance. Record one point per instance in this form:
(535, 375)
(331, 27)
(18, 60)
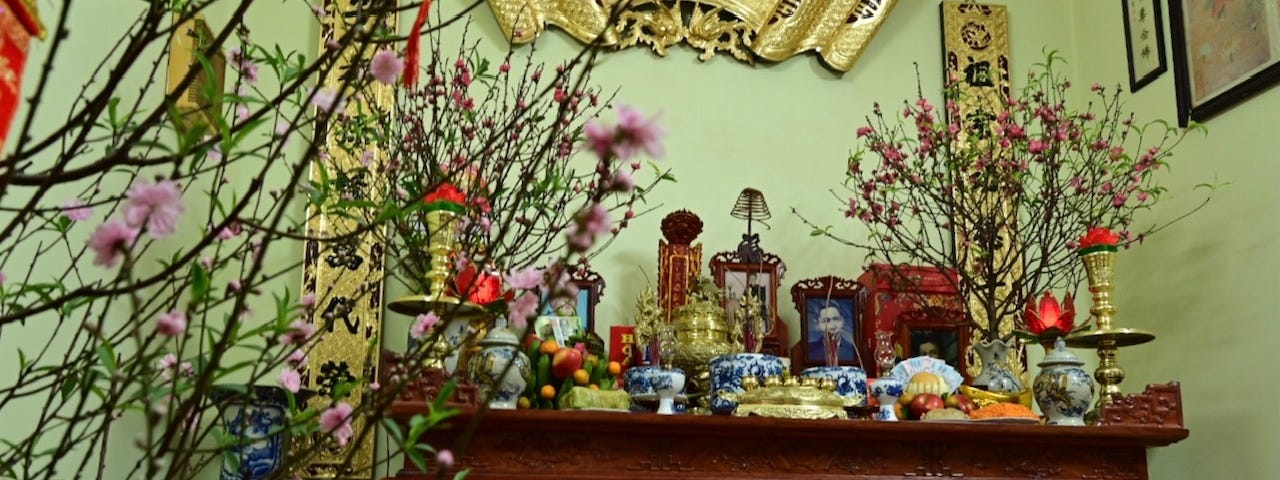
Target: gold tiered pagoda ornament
(1100, 266)
(443, 218)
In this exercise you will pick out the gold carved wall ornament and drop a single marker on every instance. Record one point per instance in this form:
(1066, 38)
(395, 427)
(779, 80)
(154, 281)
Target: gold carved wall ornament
(346, 276)
(975, 41)
(772, 30)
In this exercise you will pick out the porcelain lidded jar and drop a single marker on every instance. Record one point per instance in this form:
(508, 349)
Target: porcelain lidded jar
(498, 349)
(1063, 389)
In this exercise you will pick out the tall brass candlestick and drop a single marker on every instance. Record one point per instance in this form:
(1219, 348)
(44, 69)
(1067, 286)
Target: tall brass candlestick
(442, 231)
(1100, 266)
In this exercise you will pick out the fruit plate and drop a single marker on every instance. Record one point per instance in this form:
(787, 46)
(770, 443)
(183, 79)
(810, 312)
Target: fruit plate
(1022, 420)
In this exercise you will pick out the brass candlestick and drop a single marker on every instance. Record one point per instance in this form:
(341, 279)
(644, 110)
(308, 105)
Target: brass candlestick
(1100, 267)
(441, 227)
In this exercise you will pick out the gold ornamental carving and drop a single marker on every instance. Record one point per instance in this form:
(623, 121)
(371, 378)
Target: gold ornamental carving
(346, 276)
(975, 39)
(773, 30)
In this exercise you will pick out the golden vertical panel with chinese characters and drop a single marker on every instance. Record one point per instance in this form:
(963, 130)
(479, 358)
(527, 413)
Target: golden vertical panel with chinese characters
(774, 30)
(346, 275)
(976, 57)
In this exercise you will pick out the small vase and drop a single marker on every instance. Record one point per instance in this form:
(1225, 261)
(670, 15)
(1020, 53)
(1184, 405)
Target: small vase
(887, 391)
(668, 383)
(256, 421)
(995, 375)
(490, 373)
(1063, 389)
(884, 352)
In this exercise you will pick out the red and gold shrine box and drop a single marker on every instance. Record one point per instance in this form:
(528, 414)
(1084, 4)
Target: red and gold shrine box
(891, 295)
(18, 23)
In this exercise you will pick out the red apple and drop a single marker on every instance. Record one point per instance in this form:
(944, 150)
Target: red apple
(925, 402)
(565, 362)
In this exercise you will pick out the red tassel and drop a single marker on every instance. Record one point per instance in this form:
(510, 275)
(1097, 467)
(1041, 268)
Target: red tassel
(411, 48)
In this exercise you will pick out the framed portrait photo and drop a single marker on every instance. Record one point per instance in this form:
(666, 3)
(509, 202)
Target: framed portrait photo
(934, 332)
(1144, 41)
(829, 310)
(590, 288)
(1223, 53)
(762, 280)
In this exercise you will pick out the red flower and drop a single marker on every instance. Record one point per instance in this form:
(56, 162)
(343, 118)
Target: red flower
(1049, 317)
(446, 192)
(1099, 237)
(482, 288)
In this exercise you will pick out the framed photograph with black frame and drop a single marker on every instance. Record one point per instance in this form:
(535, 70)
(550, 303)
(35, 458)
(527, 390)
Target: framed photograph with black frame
(1223, 53)
(829, 310)
(1144, 41)
(736, 276)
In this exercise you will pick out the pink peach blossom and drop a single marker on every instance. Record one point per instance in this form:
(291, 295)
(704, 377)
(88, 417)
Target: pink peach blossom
(524, 279)
(158, 205)
(171, 324)
(76, 210)
(290, 380)
(109, 239)
(336, 421)
(423, 325)
(386, 67)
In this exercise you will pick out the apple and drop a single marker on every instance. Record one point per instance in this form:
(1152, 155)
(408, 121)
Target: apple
(965, 404)
(925, 402)
(565, 362)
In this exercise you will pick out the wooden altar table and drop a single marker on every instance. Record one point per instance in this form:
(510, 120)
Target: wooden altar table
(606, 445)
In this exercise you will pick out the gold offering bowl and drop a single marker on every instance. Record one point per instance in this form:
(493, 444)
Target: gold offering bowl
(807, 398)
(701, 335)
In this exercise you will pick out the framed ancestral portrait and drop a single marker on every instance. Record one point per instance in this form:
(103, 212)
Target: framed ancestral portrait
(590, 288)
(762, 280)
(829, 310)
(1223, 53)
(935, 332)
(1144, 41)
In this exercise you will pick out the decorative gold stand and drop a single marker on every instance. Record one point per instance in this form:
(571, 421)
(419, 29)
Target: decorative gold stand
(1107, 338)
(441, 228)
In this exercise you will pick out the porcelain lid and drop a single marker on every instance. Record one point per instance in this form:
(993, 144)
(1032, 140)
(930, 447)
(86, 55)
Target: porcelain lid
(1060, 355)
(500, 336)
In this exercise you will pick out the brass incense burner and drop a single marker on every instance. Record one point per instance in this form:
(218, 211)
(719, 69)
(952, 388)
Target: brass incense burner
(701, 334)
(789, 397)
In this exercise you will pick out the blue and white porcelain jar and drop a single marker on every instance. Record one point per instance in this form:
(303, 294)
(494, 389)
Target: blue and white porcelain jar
(851, 382)
(255, 417)
(1063, 389)
(727, 372)
(488, 370)
(642, 384)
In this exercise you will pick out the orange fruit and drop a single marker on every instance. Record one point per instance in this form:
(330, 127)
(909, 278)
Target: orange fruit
(549, 347)
(548, 392)
(615, 368)
(523, 402)
(594, 387)
(581, 376)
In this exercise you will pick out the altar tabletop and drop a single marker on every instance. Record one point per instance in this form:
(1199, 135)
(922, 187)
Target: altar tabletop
(543, 444)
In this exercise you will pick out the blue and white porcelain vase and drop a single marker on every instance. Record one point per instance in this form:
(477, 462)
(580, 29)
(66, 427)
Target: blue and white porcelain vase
(255, 418)
(489, 372)
(851, 382)
(727, 372)
(887, 391)
(995, 375)
(1063, 389)
(640, 383)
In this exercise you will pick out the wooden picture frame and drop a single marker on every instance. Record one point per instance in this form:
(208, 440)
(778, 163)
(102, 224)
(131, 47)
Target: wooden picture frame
(733, 275)
(1144, 41)
(946, 330)
(1222, 55)
(590, 287)
(814, 298)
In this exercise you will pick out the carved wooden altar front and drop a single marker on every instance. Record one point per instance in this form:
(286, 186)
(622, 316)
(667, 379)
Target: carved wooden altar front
(603, 445)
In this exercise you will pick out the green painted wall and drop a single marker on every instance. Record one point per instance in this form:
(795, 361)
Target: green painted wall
(1206, 286)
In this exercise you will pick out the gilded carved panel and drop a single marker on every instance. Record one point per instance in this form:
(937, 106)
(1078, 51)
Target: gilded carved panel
(774, 30)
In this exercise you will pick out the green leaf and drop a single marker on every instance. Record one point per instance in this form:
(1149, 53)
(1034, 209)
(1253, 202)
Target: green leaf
(199, 283)
(462, 474)
(107, 356)
(394, 430)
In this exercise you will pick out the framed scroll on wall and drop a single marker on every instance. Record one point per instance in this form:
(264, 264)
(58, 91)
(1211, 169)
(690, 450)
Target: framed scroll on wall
(1223, 53)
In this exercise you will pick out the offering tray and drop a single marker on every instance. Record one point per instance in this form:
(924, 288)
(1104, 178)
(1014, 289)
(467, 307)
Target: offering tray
(789, 398)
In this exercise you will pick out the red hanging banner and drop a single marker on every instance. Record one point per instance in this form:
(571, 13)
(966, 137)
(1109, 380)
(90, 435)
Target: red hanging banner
(18, 23)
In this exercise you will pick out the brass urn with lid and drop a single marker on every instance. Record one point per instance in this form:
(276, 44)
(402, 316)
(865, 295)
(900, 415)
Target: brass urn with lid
(703, 333)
